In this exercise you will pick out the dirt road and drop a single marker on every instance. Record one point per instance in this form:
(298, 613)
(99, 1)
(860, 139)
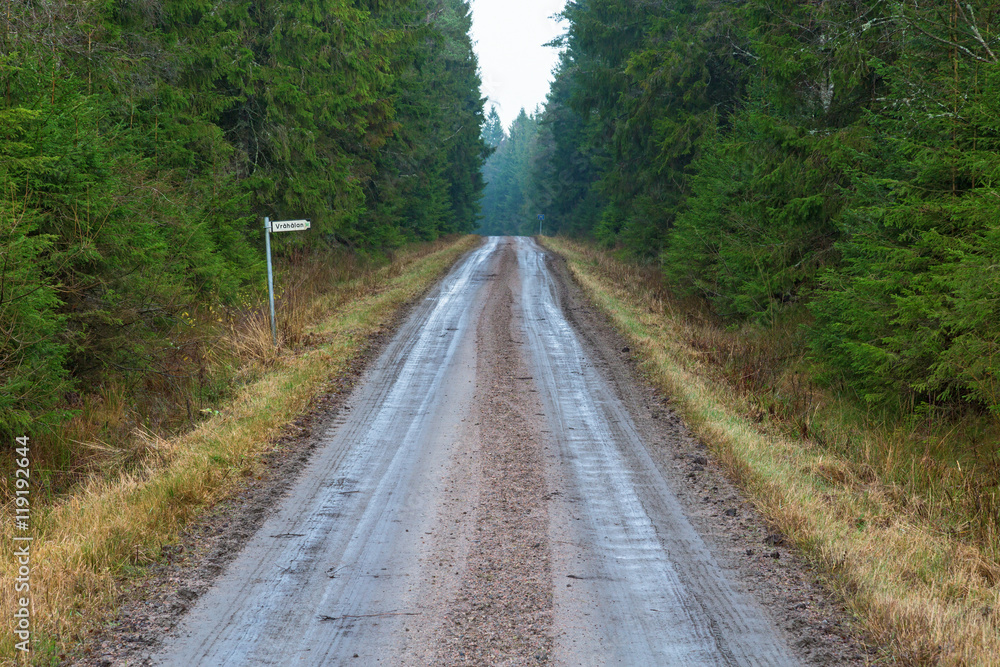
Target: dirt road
(488, 497)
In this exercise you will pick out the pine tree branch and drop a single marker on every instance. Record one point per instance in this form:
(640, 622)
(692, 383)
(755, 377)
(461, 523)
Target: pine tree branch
(975, 31)
(948, 42)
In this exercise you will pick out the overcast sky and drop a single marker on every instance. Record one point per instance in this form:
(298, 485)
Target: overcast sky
(515, 67)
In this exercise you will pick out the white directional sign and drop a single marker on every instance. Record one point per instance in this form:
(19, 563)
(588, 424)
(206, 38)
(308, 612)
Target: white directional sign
(289, 225)
(269, 227)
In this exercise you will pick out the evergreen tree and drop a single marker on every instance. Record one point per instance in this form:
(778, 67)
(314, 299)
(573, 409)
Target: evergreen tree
(142, 144)
(911, 314)
(507, 207)
(564, 169)
(493, 133)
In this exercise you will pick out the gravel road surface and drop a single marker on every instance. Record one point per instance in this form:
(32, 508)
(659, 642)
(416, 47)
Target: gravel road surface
(490, 495)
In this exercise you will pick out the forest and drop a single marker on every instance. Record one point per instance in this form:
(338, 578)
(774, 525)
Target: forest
(142, 142)
(833, 163)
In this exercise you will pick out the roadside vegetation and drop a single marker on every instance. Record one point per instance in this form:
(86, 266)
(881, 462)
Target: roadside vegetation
(137, 487)
(898, 510)
(141, 145)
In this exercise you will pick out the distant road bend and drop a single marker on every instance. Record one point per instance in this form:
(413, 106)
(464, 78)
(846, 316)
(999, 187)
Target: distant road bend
(487, 499)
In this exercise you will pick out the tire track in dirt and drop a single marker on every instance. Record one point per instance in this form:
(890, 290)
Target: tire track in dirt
(649, 590)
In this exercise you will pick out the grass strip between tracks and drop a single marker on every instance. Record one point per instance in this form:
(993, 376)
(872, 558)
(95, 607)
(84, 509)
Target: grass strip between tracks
(86, 541)
(925, 596)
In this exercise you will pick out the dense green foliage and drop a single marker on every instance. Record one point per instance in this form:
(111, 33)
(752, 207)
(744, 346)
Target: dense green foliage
(142, 142)
(507, 207)
(772, 154)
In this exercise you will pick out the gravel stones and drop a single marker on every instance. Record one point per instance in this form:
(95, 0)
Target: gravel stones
(503, 612)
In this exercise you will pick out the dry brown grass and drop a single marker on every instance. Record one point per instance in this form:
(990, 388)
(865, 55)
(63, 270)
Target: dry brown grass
(135, 492)
(900, 515)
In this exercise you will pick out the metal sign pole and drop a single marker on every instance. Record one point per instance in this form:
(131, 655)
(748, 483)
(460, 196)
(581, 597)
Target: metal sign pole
(270, 278)
(277, 226)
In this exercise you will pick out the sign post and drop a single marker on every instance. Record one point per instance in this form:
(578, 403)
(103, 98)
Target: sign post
(277, 226)
(541, 216)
